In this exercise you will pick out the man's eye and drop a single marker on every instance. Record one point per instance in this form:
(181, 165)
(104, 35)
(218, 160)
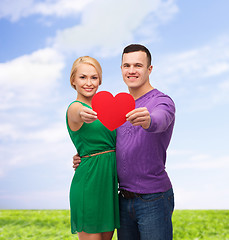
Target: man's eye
(82, 77)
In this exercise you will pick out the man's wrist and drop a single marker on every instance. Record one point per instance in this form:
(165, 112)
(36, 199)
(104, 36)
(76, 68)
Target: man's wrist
(148, 125)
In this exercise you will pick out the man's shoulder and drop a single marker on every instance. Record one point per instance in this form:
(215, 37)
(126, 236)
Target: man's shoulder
(156, 94)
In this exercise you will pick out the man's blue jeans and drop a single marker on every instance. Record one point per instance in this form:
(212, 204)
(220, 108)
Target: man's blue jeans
(146, 217)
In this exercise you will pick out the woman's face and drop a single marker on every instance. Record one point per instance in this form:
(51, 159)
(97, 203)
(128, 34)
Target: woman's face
(86, 80)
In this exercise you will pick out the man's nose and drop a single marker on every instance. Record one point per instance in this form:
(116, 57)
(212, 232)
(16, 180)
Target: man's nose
(132, 69)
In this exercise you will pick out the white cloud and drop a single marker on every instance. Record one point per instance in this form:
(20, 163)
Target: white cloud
(7, 131)
(39, 69)
(26, 8)
(194, 65)
(108, 25)
(50, 199)
(49, 154)
(203, 72)
(175, 152)
(201, 198)
(26, 79)
(1, 173)
(53, 134)
(19, 9)
(61, 8)
(221, 93)
(195, 176)
(203, 162)
(197, 161)
(26, 86)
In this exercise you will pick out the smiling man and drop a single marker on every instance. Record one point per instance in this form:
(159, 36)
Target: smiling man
(146, 194)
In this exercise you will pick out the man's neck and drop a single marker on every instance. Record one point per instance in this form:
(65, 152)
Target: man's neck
(138, 92)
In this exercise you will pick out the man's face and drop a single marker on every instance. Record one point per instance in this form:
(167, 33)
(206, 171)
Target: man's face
(135, 71)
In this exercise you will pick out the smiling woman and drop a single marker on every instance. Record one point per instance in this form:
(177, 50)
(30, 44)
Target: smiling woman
(94, 187)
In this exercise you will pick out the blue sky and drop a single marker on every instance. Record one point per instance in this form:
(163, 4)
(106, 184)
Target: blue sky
(39, 40)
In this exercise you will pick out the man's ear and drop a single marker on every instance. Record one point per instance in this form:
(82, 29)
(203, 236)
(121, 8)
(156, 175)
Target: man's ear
(150, 69)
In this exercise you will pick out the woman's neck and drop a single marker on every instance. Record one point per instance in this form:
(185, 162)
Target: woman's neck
(84, 99)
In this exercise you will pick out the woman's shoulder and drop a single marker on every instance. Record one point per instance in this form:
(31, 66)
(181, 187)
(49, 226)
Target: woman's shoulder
(73, 106)
(78, 103)
(72, 117)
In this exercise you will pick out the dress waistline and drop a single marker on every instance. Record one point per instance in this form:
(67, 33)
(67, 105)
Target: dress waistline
(95, 154)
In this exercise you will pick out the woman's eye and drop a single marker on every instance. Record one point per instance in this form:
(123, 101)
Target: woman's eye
(94, 78)
(82, 77)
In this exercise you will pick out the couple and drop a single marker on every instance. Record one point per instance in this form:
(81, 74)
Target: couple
(143, 209)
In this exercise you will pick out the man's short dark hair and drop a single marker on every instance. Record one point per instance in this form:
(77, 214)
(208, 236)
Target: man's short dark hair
(138, 47)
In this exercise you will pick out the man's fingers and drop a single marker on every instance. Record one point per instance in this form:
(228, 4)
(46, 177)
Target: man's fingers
(77, 161)
(76, 157)
(138, 120)
(131, 113)
(138, 124)
(137, 115)
(75, 166)
(138, 112)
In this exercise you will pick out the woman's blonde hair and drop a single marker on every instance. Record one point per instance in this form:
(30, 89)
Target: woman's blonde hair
(86, 60)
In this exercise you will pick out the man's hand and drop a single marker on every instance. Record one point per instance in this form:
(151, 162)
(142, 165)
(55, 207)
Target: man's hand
(88, 115)
(76, 161)
(139, 117)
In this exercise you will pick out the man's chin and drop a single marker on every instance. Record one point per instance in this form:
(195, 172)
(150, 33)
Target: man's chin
(132, 85)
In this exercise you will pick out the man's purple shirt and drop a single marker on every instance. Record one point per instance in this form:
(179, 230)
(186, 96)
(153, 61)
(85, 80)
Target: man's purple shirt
(141, 153)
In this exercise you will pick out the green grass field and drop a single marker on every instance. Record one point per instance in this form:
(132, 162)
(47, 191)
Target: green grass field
(55, 224)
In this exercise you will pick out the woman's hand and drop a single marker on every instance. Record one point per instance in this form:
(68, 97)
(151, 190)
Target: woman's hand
(88, 115)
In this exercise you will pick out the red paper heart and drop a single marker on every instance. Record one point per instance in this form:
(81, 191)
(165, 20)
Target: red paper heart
(112, 110)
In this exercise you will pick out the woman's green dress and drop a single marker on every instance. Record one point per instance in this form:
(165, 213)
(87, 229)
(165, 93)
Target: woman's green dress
(94, 188)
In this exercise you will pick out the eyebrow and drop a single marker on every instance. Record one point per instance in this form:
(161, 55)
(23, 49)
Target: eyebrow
(83, 74)
(133, 64)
